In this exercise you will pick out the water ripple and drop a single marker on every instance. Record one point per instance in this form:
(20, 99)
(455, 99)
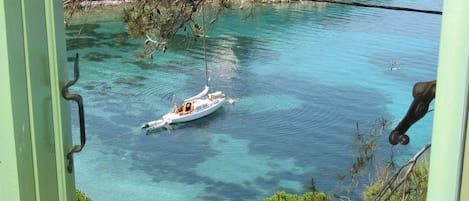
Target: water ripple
(304, 74)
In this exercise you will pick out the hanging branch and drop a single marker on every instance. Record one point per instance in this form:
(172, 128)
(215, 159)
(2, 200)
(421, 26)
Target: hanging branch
(160, 20)
(71, 7)
(412, 162)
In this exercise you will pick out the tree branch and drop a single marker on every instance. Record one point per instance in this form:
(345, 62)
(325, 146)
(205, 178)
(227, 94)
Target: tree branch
(412, 162)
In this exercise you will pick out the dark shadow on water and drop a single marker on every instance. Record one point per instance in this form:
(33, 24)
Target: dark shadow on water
(86, 36)
(129, 82)
(230, 191)
(80, 43)
(99, 56)
(174, 155)
(87, 29)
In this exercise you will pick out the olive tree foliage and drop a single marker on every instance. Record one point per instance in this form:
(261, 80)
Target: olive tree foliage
(71, 7)
(158, 21)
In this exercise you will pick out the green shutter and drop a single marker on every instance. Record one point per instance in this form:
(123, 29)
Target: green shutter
(450, 119)
(465, 173)
(35, 120)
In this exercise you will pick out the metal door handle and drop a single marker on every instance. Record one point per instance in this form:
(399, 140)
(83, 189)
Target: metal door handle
(77, 98)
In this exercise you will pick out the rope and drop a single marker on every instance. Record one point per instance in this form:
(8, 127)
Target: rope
(382, 7)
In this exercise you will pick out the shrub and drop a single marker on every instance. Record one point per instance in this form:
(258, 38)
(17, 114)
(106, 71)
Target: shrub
(310, 196)
(81, 196)
(414, 188)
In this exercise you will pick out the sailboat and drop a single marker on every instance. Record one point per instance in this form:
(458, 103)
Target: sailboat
(192, 108)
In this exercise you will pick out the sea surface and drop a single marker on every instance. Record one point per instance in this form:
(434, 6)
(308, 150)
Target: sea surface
(302, 74)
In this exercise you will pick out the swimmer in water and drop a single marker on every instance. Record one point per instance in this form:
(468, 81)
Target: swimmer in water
(393, 66)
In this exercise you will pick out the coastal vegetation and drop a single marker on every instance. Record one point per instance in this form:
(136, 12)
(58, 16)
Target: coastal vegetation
(380, 179)
(388, 179)
(81, 196)
(415, 189)
(310, 196)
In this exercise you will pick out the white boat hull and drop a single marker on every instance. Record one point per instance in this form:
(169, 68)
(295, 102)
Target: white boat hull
(152, 125)
(176, 118)
(201, 108)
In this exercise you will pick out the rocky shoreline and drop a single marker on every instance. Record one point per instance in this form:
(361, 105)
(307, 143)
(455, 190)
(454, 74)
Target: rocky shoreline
(104, 3)
(97, 3)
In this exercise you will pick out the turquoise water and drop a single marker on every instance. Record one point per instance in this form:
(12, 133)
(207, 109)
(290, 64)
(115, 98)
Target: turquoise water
(302, 76)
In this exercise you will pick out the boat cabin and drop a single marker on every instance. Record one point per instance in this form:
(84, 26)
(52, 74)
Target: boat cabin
(185, 108)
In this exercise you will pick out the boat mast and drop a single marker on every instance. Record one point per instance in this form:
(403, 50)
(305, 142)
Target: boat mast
(205, 50)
